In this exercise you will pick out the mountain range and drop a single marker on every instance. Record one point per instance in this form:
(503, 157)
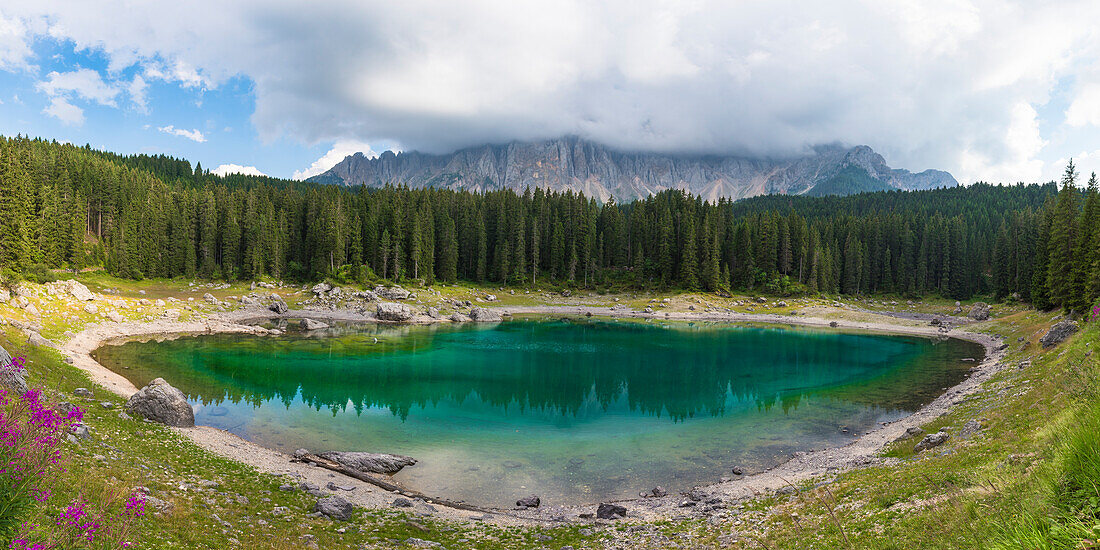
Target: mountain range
(599, 171)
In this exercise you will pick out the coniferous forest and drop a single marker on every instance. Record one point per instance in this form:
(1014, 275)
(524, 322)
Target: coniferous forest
(63, 206)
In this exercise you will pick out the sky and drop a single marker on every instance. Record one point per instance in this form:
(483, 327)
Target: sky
(990, 90)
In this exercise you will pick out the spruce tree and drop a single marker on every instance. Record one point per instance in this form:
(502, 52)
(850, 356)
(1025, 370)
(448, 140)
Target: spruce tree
(1063, 242)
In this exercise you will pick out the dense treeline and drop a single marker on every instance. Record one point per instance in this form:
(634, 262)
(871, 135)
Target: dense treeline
(145, 216)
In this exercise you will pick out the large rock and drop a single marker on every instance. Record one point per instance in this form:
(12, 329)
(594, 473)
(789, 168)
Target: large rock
(320, 288)
(334, 507)
(79, 291)
(979, 311)
(310, 324)
(209, 298)
(932, 440)
(390, 311)
(532, 501)
(483, 315)
(279, 306)
(458, 317)
(114, 316)
(12, 376)
(35, 339)
(160, 402)
(610, 511)
(1058, 333)
(373, 463)
(391, 293)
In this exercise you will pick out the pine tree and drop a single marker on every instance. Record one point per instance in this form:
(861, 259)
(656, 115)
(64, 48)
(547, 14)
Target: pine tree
(1063, 242)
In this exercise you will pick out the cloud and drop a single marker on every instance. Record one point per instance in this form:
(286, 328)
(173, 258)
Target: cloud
(1023, 143)
(193, 135)
(226, 169)
(14, 47)
(339, 150)
(82, 83)
(928, 84)
(137, 90)
(1085, 109)
(66, 112)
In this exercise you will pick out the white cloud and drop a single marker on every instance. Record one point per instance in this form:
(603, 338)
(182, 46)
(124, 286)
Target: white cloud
(193, 135)
(339, 150)
(1085, 109)
(14, 47)
(137, 90)
(64, 111)
(928, 84)
(1023, 143)
(82, 83)
(226, 169)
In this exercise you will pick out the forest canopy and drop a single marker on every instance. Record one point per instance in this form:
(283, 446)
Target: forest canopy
(63, 206)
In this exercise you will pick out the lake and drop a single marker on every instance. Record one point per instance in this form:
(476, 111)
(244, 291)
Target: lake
(574, 410)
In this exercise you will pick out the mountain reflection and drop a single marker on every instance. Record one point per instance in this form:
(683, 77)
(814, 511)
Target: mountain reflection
(573, 368)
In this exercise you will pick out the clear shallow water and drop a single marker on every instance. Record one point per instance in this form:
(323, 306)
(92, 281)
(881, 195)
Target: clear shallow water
(573, 410)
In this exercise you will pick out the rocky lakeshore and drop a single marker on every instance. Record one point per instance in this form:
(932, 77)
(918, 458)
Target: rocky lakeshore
(658, 503)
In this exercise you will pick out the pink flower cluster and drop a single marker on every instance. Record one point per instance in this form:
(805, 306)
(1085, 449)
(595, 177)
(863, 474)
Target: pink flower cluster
(1095, 313)
(31, 434)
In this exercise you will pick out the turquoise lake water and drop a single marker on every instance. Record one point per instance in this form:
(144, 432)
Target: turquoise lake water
(571, 410)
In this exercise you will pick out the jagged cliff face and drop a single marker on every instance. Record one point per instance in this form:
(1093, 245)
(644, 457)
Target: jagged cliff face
(601, 172)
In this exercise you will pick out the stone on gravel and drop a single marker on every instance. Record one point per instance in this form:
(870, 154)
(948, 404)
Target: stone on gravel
(979, 311)
(334, 507)
(391, 311)
(374, 463)
(160, 402)
(310, 324)
(1058, 333)
(532, 501)
(400, 502)
(931, 441)
(659, 491)
(610, 511)
(483, 315)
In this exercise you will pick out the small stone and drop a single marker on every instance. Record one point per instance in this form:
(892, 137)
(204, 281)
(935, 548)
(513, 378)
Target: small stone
(334, 507)
(401, 502)
(932, 440)
(610, 511)
(532, 501)
(83, 392)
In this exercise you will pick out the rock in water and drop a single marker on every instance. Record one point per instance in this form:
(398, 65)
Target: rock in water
(532, 501)
(483, 315)
(373, 463)
(390, 311)
(310, 324)
(979, 311)
(1058, 333)
(334, 507)
(610, 511)
(931, 441)
(12, 376)
(459, 318)
(162, 403)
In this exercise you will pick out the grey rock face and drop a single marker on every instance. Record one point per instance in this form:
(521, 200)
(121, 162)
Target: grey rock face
(979, 311)
(160, 402)
(932, 440)
(391, 292)
(483, 315)
(599, 171)
(334, 507)
(12, 376)
(310, 324)
(390, 311)
(374, 463)
(1058, 333)
(279, 306)
(610, 511)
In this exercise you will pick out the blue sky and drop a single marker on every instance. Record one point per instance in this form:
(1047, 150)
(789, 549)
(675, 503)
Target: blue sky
(993, 90)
